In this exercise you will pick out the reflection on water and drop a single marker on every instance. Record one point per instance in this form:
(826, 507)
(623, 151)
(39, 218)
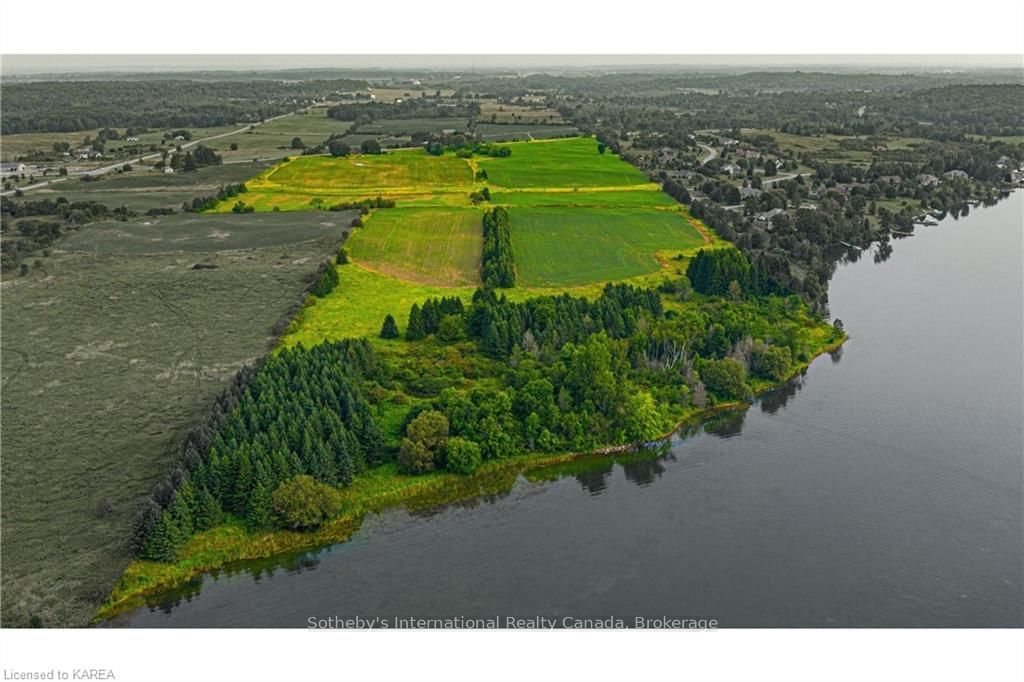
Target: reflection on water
(881, 488)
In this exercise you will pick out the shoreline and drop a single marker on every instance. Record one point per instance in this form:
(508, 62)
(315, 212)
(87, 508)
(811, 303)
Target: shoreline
(231, 545)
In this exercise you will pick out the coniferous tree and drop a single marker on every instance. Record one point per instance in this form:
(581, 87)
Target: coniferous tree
(161, 545)
(414, 331)
(389, 330)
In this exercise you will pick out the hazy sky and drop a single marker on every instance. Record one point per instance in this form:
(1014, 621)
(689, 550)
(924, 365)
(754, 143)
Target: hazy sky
(24, 64)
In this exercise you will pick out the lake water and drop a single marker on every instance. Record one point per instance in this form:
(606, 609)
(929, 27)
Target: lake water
(884, 488)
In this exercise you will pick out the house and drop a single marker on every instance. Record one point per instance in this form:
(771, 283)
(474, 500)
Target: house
(956, 173)
(728, 142)
(168, 170)
(765, 219)
(731, 168)
(179, 138)
(1004, 162)
(9, 170)
(926, 180)
(131, 139)
(749, 192)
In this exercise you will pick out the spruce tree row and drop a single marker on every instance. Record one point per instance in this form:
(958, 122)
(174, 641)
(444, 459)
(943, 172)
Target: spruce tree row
(426, 320)
(498, 266)
(303, 413)
(499, 325)
(713, 271)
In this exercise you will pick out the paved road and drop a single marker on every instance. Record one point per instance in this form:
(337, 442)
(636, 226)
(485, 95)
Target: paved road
(712, 153)
(139, 159)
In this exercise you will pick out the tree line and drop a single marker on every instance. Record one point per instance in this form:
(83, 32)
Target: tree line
(302, 414)
(498, 266)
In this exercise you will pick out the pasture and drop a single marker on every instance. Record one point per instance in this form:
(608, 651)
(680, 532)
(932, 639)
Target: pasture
(438, 246)
(558, 247)
(572, 162)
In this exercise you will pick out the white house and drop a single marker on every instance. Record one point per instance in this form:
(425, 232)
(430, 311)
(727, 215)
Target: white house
(9, 170)
(957, 173)
(731, 168)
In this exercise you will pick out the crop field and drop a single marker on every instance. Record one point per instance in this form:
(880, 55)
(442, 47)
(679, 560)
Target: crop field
(573, 162)
(566, 247)
(422, 245)
(108, 359)
(206, 232)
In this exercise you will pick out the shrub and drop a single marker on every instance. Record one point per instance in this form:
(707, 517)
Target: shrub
(725, 378)
(303, 502)
(771, 362)
(462, 456)
(424, 442)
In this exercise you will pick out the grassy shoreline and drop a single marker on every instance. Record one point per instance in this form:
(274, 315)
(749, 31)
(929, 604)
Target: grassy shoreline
(374, 491)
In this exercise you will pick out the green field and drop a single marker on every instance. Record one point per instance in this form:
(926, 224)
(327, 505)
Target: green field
(572, 162)
(423, 245)
(568, 247)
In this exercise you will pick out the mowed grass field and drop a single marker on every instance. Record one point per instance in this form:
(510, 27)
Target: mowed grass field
(438, 246)
(568, 246)
(570, 162)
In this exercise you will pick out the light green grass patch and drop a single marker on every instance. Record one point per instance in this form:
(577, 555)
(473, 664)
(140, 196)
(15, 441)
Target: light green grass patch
(436, 246)
(399, 170)
(573, 246)
(358, 305)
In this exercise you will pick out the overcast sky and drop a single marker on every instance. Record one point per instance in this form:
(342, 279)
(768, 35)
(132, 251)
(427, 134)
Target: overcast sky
(24, 64)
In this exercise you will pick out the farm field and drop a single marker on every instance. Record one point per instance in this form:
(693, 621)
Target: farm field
(568, 247)
(108, 360)
(439, 246)
(565, 239)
